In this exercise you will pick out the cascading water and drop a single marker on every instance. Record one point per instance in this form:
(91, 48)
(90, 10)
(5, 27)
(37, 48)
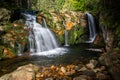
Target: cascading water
(66, 38)
(66, 34)
(40, 37)
(44, 38)
(92, 28)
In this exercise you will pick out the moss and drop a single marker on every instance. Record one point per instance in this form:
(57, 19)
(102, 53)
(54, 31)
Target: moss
(75, 35)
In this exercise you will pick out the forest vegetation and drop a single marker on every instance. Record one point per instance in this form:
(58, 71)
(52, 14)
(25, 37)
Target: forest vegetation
(106, 13)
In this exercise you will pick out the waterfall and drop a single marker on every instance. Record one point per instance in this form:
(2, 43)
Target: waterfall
(66, 38)
(92, 28)
(66, 34)
(40, 36)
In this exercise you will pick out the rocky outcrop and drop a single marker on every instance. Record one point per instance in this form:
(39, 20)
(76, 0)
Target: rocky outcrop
(112, 61)
(26, 72)
(4, 16)
(73, 22)
(89, 71)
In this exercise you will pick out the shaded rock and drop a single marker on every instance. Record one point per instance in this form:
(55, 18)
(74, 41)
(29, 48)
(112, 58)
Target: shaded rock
(89, 73)
(101, 76)
(97, 70)
(83, 68)
(112, 61)
(82, 77)
(49, 79)
(4, 16)
(102, 68)
(76, 68)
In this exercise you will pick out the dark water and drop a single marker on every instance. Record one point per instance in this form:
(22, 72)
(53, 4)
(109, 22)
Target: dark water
(72, 55)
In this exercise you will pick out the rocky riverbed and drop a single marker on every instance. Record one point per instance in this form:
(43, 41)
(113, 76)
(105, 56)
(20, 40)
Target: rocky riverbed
(90, 71)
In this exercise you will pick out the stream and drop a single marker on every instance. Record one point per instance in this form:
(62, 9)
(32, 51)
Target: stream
(68, 55)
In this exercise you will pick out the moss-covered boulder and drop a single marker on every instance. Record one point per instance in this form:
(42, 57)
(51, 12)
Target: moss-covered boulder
(72, 21)
(4, 16)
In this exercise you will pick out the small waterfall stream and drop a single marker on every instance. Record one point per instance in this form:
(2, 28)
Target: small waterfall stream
(92, 28)
(66, 38)
(66, 34)
(40, 36)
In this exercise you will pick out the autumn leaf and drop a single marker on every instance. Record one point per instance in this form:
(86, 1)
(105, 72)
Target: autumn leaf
(61, 32)
(69, 25)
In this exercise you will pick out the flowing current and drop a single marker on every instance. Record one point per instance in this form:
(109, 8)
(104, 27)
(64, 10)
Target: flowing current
(92, 28)
(40, 36)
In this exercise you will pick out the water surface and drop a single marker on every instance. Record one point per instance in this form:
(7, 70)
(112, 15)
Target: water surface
(63, 55)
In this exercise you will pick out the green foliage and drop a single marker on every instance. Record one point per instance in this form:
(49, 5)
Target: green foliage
(76, 35)
(45, 5)
(59, 4)
(14, 34)
(91, 5)
(81, 5)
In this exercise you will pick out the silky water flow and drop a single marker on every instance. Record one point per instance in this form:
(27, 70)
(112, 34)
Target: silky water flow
(41, 38)
(92, 28)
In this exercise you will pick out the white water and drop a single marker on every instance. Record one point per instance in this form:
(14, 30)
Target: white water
(44, 38)
(92, 28)
(66, 38)
(53, 52)
(66, 34)
(40, 36)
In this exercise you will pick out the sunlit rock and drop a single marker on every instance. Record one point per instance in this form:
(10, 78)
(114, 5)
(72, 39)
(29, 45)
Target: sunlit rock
(83, 68)
(92, 64)
(70, 72)
(26, 72)
(63, 69)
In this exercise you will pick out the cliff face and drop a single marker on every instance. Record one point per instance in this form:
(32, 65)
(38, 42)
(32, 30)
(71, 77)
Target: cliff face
(109, 23)
(73, 22)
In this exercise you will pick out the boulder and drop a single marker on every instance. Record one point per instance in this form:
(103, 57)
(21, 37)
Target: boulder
(4, 16)
(92, 64)
(26, 72)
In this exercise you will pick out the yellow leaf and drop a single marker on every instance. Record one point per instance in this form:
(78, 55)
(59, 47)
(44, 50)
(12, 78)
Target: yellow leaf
(69, 25)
